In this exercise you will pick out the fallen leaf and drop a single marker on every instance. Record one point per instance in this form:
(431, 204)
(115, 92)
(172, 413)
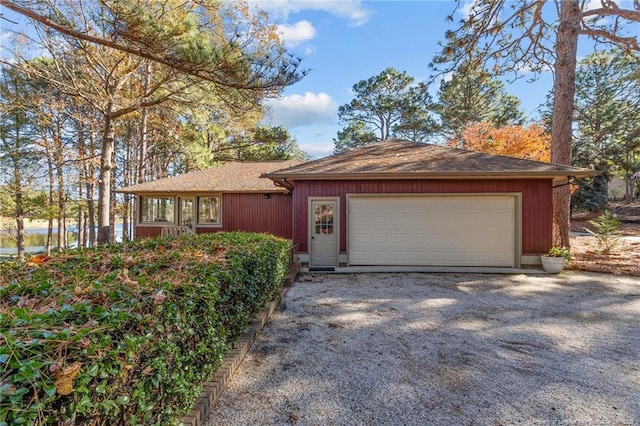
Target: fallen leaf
(64, 378)
(81, 291)
(55, 367)
(25, 301)
(124, 277)
(159, 297)
(38, 259)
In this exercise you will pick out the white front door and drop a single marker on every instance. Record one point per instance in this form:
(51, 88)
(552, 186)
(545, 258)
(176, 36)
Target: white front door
(323, 224)
(186, 213)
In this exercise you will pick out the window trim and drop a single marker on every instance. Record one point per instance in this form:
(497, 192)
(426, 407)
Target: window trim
(176, 198)
(217, 224)
(153, 222)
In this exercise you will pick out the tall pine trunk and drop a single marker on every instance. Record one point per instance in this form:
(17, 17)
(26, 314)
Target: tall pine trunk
(82, 177)
(104, 184)
(17, 192)
(564, 87)
(129, 171)
(90, 186)
(144, 125)
(62, 201)
(113, 206)
(50, 199)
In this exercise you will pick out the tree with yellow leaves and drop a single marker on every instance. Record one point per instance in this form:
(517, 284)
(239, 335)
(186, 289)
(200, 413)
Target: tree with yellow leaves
(528, 142)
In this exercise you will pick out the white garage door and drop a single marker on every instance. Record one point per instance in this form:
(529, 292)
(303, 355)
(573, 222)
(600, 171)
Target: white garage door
(432, 230)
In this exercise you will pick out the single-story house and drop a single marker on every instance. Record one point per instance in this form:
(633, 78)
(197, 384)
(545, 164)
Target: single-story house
(230, 197)
(390, 203)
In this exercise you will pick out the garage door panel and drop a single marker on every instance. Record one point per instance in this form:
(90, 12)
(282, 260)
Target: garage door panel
(432, 230)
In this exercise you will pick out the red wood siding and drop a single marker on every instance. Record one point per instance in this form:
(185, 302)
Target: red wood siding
(245, 212)
(147, 231)
(536, 203)
(254, 213)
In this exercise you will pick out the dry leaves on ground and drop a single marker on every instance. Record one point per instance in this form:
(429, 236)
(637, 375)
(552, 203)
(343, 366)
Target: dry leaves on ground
(624, 260)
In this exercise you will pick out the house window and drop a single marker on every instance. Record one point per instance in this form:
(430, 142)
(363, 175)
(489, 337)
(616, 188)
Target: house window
(157, 209)
(209, 210)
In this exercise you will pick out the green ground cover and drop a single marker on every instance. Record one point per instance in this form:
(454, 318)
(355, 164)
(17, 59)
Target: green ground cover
(126, 334)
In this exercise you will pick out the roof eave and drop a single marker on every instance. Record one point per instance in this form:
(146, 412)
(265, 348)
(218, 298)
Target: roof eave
(275, 189)
(434, 175)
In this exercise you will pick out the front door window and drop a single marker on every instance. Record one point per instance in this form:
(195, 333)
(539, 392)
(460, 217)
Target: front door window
(324, 219)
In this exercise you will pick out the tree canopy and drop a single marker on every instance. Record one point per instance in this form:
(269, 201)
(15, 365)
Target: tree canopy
(355, 135)
(266, 144)
(607, 112)
(387, 105)
(141, 92)
(470, 96)
(221, 42)
(520, 36)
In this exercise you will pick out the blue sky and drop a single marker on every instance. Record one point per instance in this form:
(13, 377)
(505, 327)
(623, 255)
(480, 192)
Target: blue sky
(344, 42)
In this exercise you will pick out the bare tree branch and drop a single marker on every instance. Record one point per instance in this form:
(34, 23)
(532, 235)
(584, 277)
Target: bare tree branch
(629, 42)
(630, 15)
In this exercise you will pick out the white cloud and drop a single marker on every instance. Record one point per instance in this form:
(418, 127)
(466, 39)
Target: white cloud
(353, 10)
(467, 8)
(525, 68)
(318, 149)
(308, 50)
(303, 110)
(5, 43)
(592, 4)
(597, 4)
(298, 33)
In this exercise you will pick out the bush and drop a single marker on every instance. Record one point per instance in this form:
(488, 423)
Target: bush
(127, 334)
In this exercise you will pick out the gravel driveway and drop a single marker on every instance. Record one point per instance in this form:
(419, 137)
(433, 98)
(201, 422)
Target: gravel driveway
(442, 349)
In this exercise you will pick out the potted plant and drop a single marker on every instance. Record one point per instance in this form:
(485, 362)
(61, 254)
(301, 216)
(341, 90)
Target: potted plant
(555, 260)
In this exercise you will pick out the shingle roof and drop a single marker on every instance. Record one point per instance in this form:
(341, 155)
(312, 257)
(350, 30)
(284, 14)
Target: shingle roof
(403, 159)
(229, 177)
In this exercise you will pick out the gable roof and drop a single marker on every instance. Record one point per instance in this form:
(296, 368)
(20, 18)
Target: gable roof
(398, 159)
(228, 177)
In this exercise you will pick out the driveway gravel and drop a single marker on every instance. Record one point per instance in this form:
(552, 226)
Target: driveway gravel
(443, 349)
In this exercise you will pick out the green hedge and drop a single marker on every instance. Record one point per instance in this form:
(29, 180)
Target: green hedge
(127, 334)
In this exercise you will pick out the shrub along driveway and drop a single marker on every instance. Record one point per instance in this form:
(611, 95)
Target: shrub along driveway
(411, 349)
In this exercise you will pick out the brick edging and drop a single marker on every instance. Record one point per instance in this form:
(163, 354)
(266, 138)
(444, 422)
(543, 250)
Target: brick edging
(231, 359)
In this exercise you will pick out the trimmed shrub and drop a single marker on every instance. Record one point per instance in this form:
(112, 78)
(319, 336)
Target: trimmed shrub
(126, 334)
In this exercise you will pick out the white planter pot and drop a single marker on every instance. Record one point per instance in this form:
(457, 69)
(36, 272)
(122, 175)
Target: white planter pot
(553, 264)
